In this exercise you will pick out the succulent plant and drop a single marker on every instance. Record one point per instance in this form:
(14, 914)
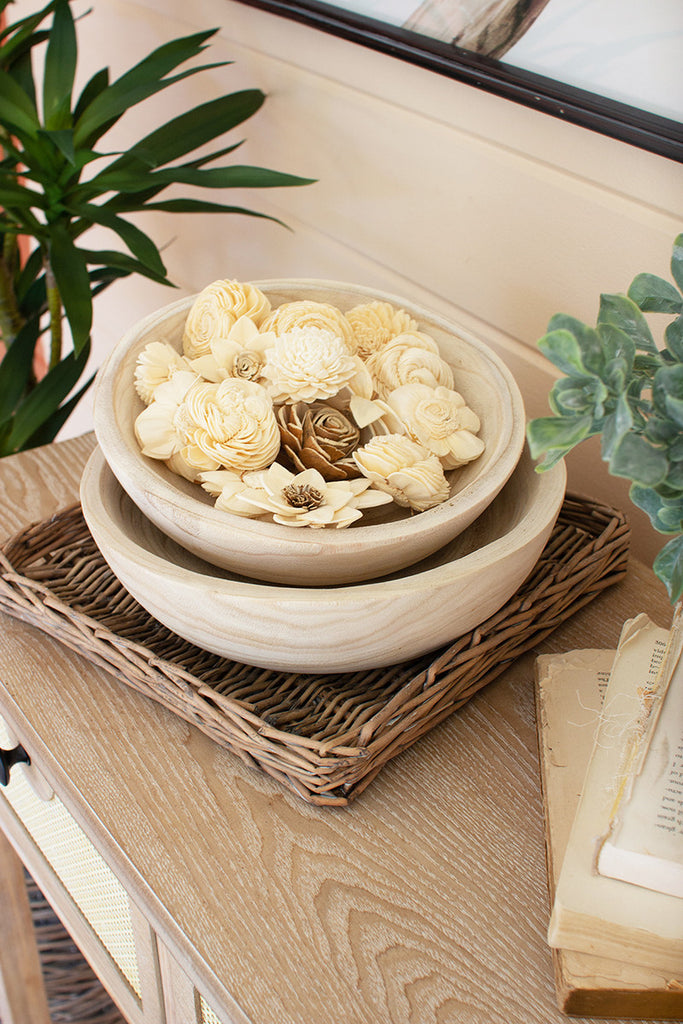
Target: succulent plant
(619, 384)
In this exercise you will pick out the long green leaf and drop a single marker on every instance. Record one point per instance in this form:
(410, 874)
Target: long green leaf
(140, 244)
(143, 80)
(60, 69)
(46, 397)
(15, 368)
(237, 176)
(201, 206)
(71, 274)
(49, 429)
(120, 261)
(18, 112)
(189, 131)
(97, 84)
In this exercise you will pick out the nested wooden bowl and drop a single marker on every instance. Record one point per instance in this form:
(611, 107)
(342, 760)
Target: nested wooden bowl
(386, 539)
(336, 628)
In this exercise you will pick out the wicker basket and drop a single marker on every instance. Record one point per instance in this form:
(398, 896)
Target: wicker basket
(324, 736)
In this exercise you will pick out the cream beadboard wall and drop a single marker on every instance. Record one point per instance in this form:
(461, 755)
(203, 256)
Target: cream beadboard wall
(486, 210)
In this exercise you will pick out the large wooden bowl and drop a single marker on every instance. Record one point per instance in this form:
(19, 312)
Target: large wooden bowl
(386, 539)
(327, 629)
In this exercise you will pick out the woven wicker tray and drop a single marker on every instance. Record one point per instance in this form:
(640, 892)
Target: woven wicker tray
(324, 736)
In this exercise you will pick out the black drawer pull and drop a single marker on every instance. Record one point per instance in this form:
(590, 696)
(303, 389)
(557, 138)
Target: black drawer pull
(8, 758)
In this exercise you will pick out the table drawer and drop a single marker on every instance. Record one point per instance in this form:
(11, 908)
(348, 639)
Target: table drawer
(83, 890)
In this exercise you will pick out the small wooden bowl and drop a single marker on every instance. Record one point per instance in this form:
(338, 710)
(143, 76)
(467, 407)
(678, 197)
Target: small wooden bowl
(328, 629)
(388, 538)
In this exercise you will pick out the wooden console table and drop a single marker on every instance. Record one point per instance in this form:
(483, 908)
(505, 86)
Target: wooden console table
(201, 891)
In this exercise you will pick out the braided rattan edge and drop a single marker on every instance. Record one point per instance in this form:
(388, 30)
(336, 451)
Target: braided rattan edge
(587, 552)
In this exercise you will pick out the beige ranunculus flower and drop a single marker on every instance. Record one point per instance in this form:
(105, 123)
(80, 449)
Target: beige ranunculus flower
(156, 364)
(231, 423)
(160, 428)
(407, 471)
(409, 359)
(376, 323)
(307, 313)
(307, 499)
(214, 311)
(440, 419)
(306, 364)
(240, 353)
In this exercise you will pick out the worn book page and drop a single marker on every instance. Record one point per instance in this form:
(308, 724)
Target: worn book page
(593, 913)
(644, 845)
(569, 694)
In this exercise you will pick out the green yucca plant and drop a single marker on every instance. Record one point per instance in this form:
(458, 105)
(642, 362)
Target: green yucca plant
(55, 184)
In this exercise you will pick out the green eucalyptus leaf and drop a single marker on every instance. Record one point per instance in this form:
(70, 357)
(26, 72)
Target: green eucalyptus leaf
(668, 566)
(615, 426)
(677, 261)
(577, 395)
(636, 459)
(655, 295)
(621, 312)
(673, 334)
(60, 69)
(667, 393)
(554, 436)
(562, 348)
(71, 274)
(653, 504)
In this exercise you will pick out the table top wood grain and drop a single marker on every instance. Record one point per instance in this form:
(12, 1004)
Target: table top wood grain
(425, 900)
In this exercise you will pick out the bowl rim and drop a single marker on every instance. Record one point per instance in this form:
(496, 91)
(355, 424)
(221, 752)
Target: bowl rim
(544, 512)
(302, 540)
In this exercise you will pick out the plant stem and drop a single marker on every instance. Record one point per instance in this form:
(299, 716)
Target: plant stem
(10, 318)
(54, 305)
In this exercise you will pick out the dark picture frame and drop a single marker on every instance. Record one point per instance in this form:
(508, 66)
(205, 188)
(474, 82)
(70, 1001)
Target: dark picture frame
(590, 110)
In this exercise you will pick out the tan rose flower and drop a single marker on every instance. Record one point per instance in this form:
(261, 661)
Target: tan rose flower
(306, 313)
(156, 364)
(307, 364)
(409, 359)
(319, 437)
(216, 309)
(439, 419)
(411, 474)
(376, 323)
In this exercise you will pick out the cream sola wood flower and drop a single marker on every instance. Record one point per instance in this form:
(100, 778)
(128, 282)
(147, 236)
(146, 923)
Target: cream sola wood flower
(216, 309)
(294, 499)
(156, 364)
(239, 353)
(408, 359)
(196, 426)
(408, 472)
(377, 323)
(307, 364)
(307, 313)
(440, 420)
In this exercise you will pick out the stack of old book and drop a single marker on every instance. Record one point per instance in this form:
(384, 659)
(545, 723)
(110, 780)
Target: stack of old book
(611, 751)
